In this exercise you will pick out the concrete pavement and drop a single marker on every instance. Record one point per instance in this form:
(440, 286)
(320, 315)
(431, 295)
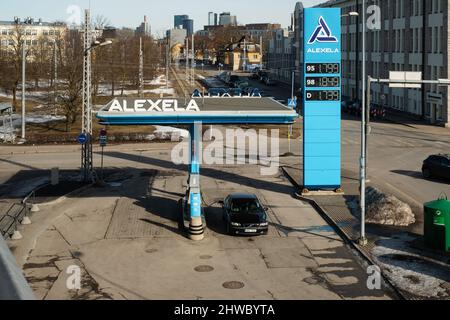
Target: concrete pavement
(126, 241)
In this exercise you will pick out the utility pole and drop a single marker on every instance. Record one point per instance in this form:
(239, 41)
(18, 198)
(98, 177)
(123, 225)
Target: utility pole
(244, 62)
(187, 59)
(141, 69)
(24, 62)
(261, 50)
(363, 239)
(167, 62)
(55, 86)
(193, 62)
(86, 154)
(293, 84)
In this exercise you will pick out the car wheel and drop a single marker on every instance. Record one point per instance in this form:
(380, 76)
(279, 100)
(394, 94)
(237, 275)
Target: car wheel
(426, 173)
(228, 229)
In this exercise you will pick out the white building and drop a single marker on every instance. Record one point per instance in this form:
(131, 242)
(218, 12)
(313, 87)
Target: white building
(31, 31)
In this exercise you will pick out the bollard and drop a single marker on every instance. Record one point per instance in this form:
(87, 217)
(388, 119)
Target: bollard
(54, 176)
(196, 230)
(26, 221)
(16, 236)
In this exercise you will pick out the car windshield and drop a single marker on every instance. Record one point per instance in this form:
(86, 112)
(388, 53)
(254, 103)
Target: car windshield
(245, 206)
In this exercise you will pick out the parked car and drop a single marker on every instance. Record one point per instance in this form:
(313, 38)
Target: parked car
(255, 74)
(262, 75)
(247, 90)
(242, 82)
(215, 92)
(235, 92)
(232, 80)
(437, 166)
(244, 214)
(269, 81)
(224, 77)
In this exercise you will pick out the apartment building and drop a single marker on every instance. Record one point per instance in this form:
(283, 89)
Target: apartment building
(402, 43)
(32, 32)
(280, 58)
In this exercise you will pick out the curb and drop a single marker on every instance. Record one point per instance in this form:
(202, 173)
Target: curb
(342, 234)
(59, 199)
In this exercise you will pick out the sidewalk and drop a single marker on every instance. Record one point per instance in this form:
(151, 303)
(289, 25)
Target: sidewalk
(403, 259)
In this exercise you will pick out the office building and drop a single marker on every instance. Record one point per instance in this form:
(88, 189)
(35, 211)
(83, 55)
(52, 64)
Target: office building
(401, 44)
(188, 25)
(226, 19)
(178, 20)
(143, 29)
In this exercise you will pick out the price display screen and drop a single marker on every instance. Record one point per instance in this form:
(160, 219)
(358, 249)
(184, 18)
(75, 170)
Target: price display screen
(323, 68)
(323, 95)
(323, 82)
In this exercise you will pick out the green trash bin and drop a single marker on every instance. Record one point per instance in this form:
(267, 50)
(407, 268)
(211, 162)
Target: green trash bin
(437, 224)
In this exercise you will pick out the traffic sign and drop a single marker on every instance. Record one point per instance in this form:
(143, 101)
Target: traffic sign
(103, 141)
(82, 138)
(292, 103)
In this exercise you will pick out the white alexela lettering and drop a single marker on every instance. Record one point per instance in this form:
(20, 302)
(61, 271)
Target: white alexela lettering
(323, 50)
(161, 105)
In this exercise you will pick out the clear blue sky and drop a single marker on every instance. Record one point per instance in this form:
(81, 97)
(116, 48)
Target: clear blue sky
(129, 13)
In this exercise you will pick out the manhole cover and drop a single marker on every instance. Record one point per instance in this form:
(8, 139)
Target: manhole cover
(233, 285)
(204, 269)
(205, 257)
(151, 250)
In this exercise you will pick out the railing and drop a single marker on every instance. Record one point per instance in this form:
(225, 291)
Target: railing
(12, 218)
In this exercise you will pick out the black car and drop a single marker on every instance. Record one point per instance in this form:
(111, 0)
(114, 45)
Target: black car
(437, 166)
(244, 214)
(234, 92)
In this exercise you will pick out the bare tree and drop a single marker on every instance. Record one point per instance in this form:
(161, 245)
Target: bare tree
(72, 71)
(100, 22)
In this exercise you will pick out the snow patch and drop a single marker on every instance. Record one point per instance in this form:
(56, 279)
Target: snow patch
(409, 270)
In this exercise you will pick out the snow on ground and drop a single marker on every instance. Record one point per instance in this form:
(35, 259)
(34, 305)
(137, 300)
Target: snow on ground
(159, 81)
(106, 89)
(170, 133)
(409, 270)
(41, 119)
(33, 119)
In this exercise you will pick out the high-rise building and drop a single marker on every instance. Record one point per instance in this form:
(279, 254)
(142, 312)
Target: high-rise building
(211, 21)
(143, 29)
(226, 19)
(188, 25)
(178, 20)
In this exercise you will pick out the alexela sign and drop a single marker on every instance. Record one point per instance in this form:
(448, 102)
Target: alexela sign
(147, 105)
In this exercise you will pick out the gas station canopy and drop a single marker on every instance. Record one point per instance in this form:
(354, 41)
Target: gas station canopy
(208, 110)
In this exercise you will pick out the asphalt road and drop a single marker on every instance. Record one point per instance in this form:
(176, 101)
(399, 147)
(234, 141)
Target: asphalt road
(396, 152)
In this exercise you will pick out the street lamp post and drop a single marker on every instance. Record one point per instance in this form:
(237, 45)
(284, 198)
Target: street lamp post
(364, 127)
(86, 152)
(363, 169)
(24, 58)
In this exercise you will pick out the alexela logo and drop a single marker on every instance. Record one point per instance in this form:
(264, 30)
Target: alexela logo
(322, 33)
(161, 105)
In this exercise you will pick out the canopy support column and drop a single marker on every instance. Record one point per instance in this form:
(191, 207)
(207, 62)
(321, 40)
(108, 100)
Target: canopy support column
(196, 230)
